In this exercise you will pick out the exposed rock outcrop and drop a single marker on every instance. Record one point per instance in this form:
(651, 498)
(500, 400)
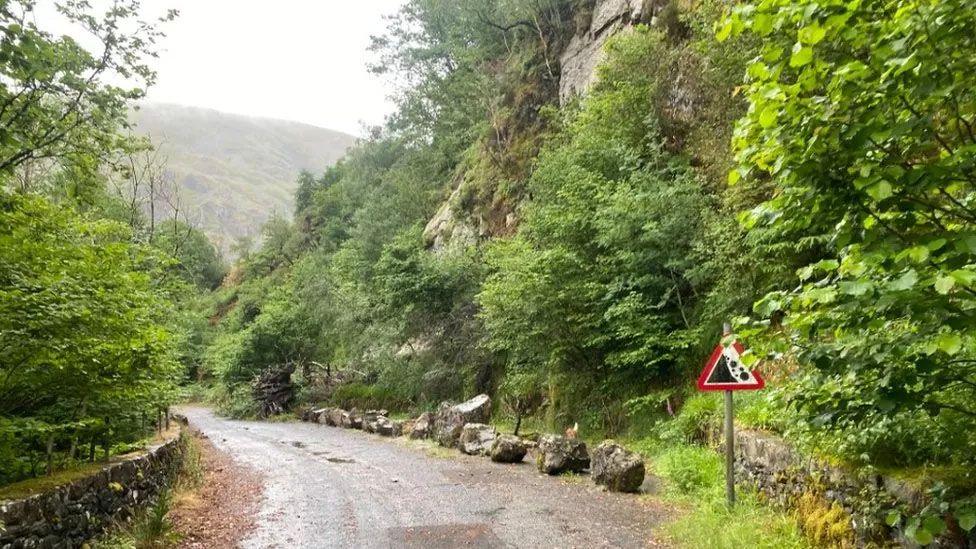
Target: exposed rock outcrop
(508, 449)
(476, 439)
(584, 52)
(334, 417)
(617, 468)
(450, 227)
(559, 454)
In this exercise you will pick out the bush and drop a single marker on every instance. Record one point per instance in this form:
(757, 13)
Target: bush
(696, 420)
(363, 396)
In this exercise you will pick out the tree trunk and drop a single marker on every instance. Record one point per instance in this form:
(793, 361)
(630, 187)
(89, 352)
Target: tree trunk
(50, 454)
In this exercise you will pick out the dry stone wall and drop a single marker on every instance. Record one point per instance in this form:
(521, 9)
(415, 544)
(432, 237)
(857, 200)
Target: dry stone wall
(783, 476)
(72, 513)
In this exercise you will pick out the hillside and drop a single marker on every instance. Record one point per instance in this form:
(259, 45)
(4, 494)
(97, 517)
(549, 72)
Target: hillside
(237, 170)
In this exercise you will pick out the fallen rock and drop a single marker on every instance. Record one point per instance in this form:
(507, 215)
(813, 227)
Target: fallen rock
(476, 439)
(617, 468)
(355, 419)
(369, 420)
(351, 419)
(559, 454)
(387, 427)
(508, 449)
(334, 417)
(450, 419)
(321, 415)
(423, 426)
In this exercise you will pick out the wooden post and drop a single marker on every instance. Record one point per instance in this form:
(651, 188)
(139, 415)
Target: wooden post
(729, 437)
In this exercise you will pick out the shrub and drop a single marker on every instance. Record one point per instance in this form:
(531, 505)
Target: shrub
(697, 419)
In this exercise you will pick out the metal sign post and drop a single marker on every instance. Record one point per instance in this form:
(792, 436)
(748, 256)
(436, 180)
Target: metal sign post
(724, 371)
(729, 450)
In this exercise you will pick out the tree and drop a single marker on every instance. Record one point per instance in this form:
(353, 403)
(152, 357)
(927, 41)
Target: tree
(60, 102)
(862, 116)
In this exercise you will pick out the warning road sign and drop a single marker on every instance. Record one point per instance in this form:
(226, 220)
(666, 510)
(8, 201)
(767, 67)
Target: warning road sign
(724, 371)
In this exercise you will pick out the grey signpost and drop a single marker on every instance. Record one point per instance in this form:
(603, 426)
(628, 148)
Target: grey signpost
(724, 371)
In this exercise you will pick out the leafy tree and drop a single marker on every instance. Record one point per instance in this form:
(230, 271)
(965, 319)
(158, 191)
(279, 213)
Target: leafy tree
(59, 102)
(862, 115)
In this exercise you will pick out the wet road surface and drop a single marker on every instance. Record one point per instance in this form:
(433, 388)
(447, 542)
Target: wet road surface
(331, 487)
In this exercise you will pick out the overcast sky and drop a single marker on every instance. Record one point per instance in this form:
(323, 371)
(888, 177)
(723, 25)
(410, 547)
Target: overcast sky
(301, 60)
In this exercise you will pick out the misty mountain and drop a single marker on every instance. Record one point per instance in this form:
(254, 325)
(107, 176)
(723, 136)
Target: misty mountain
(236, 170)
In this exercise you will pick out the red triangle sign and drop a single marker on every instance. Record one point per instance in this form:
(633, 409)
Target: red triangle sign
(724, 371)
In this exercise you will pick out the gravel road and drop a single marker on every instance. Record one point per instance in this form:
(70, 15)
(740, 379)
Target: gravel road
(330, 487)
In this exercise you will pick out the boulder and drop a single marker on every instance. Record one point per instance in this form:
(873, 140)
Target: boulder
(355, 419)
(334, 417)
(559, 454)
(508, 449)
(450, 419)
(423, 426)
(351, 419)
(387, 427)
(369, 420)
(476, 439)
(321, 415)
(617, 468)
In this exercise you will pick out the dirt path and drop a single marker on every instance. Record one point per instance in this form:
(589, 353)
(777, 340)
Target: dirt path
(329, 487)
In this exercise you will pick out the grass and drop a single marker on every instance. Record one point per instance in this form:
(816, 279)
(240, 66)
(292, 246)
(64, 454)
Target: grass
(695, 485)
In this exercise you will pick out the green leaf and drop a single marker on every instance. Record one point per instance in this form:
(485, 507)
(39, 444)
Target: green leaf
(802, 55)
(768, 116)
(734, 177)
(723, 33)
(923, 536)
(949, 342)
(967, 520)
(906, 281)
(855, 287)
(934, 525)
(880, 190)
(943, 284)
(893, 518)
(812, 34)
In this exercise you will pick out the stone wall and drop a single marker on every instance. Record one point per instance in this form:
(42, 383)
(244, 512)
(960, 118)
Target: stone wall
(783, 477)
(73, 513)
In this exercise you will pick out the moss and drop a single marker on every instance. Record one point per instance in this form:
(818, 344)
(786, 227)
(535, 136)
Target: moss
(826, 523)
(39, 485)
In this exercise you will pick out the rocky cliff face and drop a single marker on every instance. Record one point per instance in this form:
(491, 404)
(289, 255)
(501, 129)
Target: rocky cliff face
(451, 227)
(579, 61)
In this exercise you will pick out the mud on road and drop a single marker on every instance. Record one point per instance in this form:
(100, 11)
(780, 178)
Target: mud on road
(330, 487)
